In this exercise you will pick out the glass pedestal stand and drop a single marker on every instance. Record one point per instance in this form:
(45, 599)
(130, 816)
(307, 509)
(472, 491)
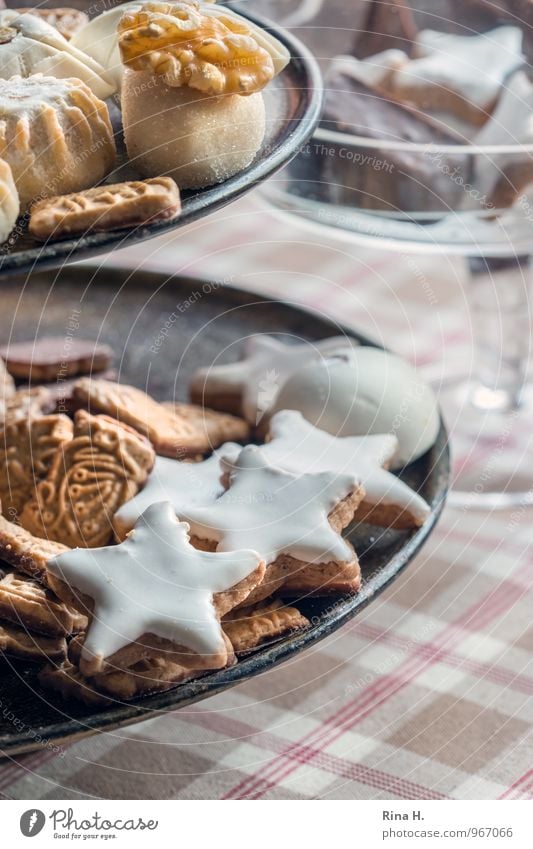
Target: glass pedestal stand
(488, 408)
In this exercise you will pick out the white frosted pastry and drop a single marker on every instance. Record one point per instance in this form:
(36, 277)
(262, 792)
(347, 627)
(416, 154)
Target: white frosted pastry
(55, 134)
(99, 37)
(181, 133)
(365, 391)
(29, 45)
(9, 201)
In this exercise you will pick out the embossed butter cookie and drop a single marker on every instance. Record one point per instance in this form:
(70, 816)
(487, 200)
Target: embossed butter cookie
(103, 208)
(150, 675)
(251, 627)
(27, 448)
(91, 476)
(177, 431)
(28, 403)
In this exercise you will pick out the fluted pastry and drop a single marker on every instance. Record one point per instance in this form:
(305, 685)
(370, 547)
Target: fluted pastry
(55, 134)
(9, 202)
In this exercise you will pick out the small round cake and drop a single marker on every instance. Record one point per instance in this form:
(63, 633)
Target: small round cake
(191, 91)
(9, 201)
(182, 133)
(55, 134)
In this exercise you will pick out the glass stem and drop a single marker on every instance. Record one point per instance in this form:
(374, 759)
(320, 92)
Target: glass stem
(499, 291)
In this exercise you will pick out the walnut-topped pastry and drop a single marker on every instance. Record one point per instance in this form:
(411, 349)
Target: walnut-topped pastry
(178, 41)
(191, 75)
(55, 134)
(99, 38)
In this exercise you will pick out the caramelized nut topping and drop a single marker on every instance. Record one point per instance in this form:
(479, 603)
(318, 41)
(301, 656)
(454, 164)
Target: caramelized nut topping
(215, 55)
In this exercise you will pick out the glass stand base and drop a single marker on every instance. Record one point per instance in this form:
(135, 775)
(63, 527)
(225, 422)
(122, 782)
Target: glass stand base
(492, 446)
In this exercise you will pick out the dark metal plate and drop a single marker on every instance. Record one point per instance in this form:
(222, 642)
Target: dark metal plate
(161, 328)
(293, 101)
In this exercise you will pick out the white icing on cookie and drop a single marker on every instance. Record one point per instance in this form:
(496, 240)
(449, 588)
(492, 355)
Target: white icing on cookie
(266, 365)
(183, 484)
(154, 582)
(366, 390)
(510, 124)
(276, 511)
(473, 66)
(301, 448)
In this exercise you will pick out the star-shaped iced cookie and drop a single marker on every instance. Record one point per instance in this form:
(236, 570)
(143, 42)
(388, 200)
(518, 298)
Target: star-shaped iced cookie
(183, 484)
(250, 386)
(154, 594)
(299, 447)
(280, 513)
(463, 74)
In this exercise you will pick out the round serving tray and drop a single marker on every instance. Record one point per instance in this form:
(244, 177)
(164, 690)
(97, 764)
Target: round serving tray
(161, 328)
(293, 102)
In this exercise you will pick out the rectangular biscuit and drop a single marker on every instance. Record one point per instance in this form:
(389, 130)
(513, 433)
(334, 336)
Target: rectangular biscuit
(31, 606)
(107, 207)
(145, 677)
(177, 431)
(251, 627)
(27, 553)
(17, 642)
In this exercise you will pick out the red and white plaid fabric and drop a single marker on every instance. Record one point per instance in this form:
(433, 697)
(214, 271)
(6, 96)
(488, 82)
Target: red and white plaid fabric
(425, 695)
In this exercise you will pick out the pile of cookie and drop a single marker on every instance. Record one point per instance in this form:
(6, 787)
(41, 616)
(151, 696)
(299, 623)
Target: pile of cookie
(182, 81)
(439, 75)
(147, 543)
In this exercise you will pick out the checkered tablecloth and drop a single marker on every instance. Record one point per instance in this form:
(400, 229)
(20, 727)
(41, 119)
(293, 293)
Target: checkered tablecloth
(426, 694)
